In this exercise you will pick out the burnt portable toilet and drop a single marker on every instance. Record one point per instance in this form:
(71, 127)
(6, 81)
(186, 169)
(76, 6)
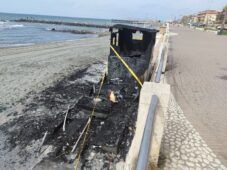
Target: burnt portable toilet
(135, 46)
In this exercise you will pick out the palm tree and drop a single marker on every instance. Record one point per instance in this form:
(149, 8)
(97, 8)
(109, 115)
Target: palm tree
(224, 18)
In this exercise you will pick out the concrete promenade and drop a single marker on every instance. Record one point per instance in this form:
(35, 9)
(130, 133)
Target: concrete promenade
(197, 73)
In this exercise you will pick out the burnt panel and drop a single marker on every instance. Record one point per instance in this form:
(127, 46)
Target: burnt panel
(136, 52)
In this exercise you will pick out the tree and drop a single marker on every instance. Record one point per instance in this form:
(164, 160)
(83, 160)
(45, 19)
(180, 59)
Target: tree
(224, 18)
(225, 8)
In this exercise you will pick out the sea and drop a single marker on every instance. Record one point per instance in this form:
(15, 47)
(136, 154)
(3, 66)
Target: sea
(22, 34)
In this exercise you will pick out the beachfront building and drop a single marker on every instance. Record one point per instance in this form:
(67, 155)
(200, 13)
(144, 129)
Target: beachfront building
(208, 17)
(221, 17)
(187, 20)
(194, 19)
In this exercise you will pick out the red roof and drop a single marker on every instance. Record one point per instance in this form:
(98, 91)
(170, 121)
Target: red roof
(209, 12)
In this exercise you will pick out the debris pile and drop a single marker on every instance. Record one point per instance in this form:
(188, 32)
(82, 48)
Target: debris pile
(135, 46)
(63, 119)
(58, 115)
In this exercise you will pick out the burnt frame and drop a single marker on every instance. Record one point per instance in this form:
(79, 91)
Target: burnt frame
(123, 40)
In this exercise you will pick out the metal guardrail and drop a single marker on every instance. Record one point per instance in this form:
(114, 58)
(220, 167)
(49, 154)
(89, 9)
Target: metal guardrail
(162, 57)
(145, 147)
(160, 66)
(144, 152)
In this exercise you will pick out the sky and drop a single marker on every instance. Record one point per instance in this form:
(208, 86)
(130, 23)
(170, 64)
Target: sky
(111, 9)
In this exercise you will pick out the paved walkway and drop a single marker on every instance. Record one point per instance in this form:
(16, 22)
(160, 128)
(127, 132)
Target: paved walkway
(198, 76)
(182, 146)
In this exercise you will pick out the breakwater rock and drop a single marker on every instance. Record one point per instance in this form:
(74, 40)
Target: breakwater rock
(64, 23)
(74, 31)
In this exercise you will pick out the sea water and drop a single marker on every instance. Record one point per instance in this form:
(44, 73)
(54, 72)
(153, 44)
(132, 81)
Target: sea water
(17, 34)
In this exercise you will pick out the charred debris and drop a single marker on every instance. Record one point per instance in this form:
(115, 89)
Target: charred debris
(135, 45)
(113, 124)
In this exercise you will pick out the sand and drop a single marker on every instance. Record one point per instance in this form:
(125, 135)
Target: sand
(33, 68)
(26, 72)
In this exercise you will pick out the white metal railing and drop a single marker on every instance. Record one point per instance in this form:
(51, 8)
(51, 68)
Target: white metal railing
(162, 57)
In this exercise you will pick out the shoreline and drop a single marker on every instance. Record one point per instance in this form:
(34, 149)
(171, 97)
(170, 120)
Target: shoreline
(25, 73)
(44, 63)
(44, 33)
(105, 34)
(39, 83)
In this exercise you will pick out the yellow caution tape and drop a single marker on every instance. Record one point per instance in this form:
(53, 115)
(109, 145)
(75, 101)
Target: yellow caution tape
(127, 66)
(89, 125)
(93, 110)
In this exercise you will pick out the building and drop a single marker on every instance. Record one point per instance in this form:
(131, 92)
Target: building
(187, 19)
(194, 19)
(208, 17)
(221, 17)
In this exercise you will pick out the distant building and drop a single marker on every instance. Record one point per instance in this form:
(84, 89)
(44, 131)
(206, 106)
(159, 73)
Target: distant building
(194, 19)
(208, 17)
(221, 17)
(187, 19)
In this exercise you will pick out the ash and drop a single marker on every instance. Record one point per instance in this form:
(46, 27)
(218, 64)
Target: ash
(36, 135)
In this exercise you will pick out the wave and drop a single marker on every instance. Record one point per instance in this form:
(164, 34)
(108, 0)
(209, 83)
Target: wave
(2, 22)
(15, 45)
(16, 26)
(8, 25)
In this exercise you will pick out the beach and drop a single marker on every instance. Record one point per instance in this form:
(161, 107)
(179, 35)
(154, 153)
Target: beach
(33, 68)
(51, 74)
(50, 87)
(26, 72)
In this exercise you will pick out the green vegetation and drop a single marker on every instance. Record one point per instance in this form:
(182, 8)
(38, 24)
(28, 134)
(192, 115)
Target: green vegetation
(210, 28)
(224, 32)
(225, 8)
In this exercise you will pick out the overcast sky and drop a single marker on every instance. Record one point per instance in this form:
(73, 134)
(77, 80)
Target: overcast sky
(124, 9)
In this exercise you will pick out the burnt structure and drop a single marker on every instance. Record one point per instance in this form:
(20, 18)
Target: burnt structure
(71, 100)
(135, 45)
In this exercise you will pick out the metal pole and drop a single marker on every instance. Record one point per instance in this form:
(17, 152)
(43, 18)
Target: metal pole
(144, 152)
(159, 71)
